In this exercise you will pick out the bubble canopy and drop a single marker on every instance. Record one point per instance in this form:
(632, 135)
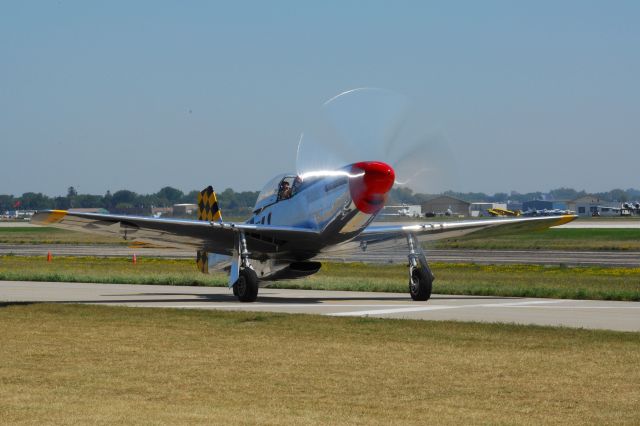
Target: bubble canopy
(269, 193)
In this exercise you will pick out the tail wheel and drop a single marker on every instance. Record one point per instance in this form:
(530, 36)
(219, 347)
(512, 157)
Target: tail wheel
(420, 284)
(246, 288)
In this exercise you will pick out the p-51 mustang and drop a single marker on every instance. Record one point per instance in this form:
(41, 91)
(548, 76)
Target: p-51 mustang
(296, 218)
(326, 208)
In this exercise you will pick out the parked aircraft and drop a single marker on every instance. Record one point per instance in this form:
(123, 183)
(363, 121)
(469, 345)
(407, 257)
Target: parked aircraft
(547, 212)
(503, 212)
(632, 207)
(403, 210)
(297, 217)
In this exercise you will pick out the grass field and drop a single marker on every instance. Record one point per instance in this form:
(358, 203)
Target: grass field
(44, 235)
(471, 279)
(550, 239)
(554, 239)
(92, 364)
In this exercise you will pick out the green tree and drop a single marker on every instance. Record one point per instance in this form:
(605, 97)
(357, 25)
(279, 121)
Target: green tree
(61, 203)
(7, 202)
(88, 201)
(500, 197)
(618, 195)
(172, 195)
(191, 197)
(124, 197)
(566, 194)
(107, 200)
(35, 201)
(401, 195)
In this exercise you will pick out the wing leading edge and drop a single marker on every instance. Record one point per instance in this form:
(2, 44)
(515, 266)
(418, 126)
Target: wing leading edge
(214, 237)
(384, 237)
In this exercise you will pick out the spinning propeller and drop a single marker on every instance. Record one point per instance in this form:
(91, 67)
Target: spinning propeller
(368, 126)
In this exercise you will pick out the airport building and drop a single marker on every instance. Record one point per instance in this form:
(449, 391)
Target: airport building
(537, 205)
(589, 204)
(441, 204)
(514, 206)
(161, 211)
(184, 209)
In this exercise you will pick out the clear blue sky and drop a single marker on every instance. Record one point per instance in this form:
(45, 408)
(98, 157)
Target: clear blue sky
(138, 95)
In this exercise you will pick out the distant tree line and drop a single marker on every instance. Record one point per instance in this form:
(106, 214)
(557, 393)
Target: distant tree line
(125, 201)
(407, 196)
(235, 203)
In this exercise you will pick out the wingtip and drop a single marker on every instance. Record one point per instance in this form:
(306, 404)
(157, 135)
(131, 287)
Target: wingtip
(565, 219)
(48, 217)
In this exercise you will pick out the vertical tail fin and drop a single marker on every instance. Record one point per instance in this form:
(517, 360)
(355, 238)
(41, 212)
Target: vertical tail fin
(208, 208)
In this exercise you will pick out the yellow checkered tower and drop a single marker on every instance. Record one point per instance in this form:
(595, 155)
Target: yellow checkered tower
(209, 210)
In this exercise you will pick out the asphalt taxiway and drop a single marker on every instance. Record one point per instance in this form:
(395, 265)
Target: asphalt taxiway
(622, 316)
(628, 259)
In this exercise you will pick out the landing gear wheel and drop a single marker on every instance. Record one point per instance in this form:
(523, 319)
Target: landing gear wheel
(246, 288)
(420, 284)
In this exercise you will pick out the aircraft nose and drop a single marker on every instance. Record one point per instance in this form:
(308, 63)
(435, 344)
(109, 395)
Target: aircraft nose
(370, 184)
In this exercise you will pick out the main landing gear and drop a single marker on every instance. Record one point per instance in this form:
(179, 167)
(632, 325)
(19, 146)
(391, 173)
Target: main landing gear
(246, 286)
(420, 276)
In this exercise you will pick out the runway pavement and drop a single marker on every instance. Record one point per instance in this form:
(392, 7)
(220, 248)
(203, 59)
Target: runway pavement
(544, 257)
(622, 316)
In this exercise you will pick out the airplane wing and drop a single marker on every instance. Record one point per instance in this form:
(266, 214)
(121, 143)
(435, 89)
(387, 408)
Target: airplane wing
(382, 238)
(213, 237)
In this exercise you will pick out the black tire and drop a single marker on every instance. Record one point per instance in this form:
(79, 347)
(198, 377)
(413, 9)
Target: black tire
(247, 286)
(420, 284)
(235, 290)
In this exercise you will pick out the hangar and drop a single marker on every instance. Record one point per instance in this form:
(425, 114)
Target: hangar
(442, 203)
(589, 204)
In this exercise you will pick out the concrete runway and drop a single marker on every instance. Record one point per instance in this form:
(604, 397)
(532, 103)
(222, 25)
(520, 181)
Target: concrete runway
(622, 316)
(541, 257)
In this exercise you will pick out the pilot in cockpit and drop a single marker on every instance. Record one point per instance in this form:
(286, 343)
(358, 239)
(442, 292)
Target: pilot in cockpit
(285, 191)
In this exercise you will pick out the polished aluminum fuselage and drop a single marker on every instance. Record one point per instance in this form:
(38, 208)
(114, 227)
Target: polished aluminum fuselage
(324, 205)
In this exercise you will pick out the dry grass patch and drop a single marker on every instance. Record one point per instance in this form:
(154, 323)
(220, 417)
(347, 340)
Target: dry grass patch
(93, 364)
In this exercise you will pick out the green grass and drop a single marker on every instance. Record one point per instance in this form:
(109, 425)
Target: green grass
(553, 239)
(491, 280)
(601, 283)
(45, 235)
(66, 364)
(107, 270)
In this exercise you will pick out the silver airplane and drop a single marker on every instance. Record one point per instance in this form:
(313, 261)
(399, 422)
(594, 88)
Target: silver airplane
(296, 219)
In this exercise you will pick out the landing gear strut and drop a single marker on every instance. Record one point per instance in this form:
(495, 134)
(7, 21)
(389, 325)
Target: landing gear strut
(246, 286)
(420, 276)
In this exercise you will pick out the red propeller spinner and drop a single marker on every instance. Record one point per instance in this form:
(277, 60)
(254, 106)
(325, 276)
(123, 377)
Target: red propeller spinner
(370, 184)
